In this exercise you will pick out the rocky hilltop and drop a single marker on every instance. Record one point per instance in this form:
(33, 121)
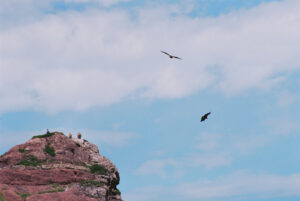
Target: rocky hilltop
(54, 167)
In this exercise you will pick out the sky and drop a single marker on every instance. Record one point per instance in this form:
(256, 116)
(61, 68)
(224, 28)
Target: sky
(95, 67)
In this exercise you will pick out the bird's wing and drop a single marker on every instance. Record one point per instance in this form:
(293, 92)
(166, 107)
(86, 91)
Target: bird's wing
(176, 57)
(166, 53)
(206, 115)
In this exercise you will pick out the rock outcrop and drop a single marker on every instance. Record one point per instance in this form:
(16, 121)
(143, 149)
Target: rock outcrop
(54, 167)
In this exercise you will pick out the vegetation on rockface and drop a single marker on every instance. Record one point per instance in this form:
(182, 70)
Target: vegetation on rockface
(2, 198)
(49, 150)
(85, 165)
(87, 183)
(30, 161)
(48, 134)
(21, 150)
(23, 195)
(115, 192)
(55, 188)
(98, 169)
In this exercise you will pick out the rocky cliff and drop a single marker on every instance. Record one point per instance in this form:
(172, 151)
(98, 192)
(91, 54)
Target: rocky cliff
(54, 167)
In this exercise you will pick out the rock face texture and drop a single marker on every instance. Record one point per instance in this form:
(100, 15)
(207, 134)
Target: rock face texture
(54, 167)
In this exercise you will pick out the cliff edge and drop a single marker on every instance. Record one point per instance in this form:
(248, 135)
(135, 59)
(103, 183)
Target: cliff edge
(54, 167)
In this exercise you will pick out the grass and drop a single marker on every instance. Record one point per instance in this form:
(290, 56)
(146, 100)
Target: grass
(49, 150)
(55, 189)
(2, 198)
(115, 192)
(87, 183)
(55, 185)
(85, 165)
(48, 134)
(30, 161)
(23, 195)
(98, 169)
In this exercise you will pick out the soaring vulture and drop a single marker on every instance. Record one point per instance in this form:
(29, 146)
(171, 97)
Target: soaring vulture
(171, 56)
(205, 116)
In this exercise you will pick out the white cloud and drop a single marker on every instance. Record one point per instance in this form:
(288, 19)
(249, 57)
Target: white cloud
(207, 141)
(282, 126)
(149, 193)
(209, 160)
(212, 143)
(16, 12)
(157, 167)
(176, 167)
(230, 187)
(246, 144)
(157, 153)
(101, 2)
(240, 184)
(75, 61)
(286, 98)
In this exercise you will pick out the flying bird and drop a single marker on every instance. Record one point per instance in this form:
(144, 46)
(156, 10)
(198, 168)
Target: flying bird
(205, 116)
(171, 56)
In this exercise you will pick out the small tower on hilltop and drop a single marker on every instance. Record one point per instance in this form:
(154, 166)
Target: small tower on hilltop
(70, 135)
(79, 135)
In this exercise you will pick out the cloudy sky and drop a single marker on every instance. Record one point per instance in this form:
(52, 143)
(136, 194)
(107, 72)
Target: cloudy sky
(95, 67)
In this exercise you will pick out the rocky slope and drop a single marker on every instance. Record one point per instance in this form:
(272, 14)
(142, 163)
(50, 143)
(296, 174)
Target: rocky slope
(54, 167)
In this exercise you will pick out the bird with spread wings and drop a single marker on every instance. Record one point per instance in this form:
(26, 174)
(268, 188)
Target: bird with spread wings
(171, 56)
(205, 116)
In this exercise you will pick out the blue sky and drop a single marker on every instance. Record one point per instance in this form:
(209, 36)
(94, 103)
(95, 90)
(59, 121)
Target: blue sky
(95, 67)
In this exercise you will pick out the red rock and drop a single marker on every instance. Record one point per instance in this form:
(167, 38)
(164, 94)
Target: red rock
(60, 173)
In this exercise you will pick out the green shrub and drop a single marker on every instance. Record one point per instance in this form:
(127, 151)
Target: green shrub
(21, 150)
(30, 161)
(2, 198)
(87, 183)
(48, 134)
(84, 165)
(115, 192)
(98, 169)
(49, 150)
(23, 195)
